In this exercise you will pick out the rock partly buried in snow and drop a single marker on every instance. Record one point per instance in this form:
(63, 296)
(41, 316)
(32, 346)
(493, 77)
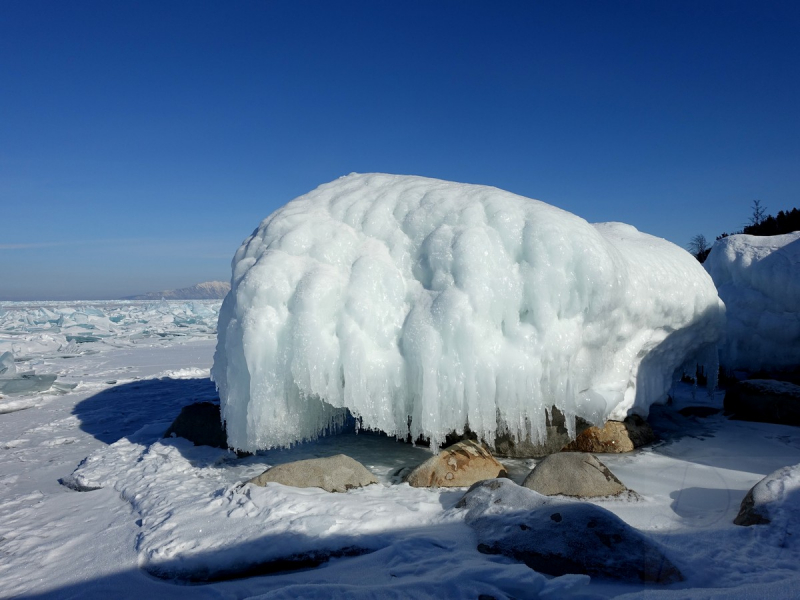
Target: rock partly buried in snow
(557, 537)
(460, 465)
(758, 278)
(201, 424)
(614, 437)
(557, 434)
(764, 400)
(333, 474)
(573, 474)
(422, 306)
(777, 496)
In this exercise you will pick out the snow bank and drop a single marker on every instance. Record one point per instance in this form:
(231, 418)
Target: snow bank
(758, 278)
(423, 305)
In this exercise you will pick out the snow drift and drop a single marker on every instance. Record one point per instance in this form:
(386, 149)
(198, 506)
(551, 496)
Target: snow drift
(422, 306)
(758, 278)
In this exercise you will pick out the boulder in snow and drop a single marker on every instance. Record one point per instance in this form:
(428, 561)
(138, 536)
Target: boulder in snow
(333, 474)
(776, 497)
(764, 400)
(459, 465)
(201, 424)
(574, 474)
(558, 537)
(614, 437)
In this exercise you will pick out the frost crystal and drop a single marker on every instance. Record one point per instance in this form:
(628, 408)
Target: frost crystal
(422, 306)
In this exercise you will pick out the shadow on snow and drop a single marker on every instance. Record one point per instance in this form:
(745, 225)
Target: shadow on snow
(120, 411)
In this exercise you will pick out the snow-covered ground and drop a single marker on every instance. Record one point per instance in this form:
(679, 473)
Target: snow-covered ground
(168, 514)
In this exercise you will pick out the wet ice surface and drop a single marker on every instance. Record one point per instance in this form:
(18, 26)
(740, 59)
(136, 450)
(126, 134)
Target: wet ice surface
(168, 513)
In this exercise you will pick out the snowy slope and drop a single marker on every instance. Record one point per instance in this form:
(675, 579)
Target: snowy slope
(208, 290)
(758, 278)
(439, 304)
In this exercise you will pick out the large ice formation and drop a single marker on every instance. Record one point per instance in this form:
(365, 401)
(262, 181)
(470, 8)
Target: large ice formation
(423, 305)
(758, 278)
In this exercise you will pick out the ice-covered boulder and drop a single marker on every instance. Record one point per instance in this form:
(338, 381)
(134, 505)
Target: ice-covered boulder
(758, 278)
(422, 306)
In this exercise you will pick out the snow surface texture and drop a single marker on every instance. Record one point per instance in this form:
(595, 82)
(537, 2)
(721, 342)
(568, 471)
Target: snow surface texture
(407, 299)
(758, 278)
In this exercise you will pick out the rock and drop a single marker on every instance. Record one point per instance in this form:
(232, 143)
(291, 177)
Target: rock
(460, 465)
(776, 497)
(201, 424)
(73, 483)
(333, 474)
(700, 412)
(573, 474)
(560, 536)
(749, 514)
(614, 436)
(557, 438)
(764, 400)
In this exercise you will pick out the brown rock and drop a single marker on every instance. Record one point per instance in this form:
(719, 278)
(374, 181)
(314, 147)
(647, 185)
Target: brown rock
(613, 437)
(460, 465)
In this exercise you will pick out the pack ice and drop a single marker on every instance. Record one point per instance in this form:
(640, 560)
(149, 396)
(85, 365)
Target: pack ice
(423, 306)
(758, 277)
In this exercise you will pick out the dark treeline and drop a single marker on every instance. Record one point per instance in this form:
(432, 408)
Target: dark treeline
(783, 222)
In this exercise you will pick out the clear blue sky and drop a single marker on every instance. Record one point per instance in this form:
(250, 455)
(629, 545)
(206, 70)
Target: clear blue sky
(140, 142)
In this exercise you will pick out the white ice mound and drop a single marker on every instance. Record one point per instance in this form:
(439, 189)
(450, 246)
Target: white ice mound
(423, 305)
(758, 278)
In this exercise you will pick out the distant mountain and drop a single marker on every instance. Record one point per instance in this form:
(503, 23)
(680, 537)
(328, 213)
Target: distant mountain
(209, 290)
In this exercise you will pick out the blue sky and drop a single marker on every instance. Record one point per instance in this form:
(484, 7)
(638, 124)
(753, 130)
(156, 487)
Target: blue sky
(141, 142)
